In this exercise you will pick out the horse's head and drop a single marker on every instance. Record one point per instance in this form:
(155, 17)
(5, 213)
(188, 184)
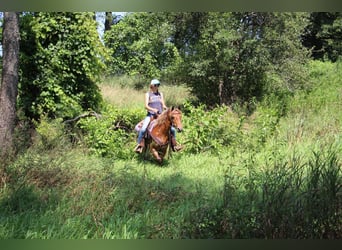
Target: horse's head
(176, 119)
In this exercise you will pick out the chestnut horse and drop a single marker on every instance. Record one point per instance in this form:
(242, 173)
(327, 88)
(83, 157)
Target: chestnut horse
(158, 136)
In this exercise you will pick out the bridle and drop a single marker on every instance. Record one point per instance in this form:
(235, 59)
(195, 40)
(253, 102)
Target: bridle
(177, 112)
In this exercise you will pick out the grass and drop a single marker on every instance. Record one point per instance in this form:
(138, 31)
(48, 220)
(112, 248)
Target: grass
(282, 183)
(127, 92)
(104, 199)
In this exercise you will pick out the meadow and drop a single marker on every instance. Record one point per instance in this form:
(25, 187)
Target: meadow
(275, 173)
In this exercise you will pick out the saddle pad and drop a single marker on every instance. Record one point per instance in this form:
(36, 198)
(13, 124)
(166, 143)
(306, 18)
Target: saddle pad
(139, 125)
(151, 126)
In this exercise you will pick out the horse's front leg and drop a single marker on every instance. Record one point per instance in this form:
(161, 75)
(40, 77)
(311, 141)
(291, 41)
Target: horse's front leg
(155, 154)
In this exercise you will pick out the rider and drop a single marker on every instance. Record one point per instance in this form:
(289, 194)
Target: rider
(154, 104)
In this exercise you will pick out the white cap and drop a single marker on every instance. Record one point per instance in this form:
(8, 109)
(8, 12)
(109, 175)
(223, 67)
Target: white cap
(154, 81)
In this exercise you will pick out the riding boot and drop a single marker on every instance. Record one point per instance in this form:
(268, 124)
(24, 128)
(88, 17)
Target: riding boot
(175, 146)
(139, 148)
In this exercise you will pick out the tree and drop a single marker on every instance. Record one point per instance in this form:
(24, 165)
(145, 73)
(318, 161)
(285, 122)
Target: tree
(62, 59)
(227, 63)
(187, 29)
(224, 57)
(287, 57)
(108, 21)
(239, 56)
(9, 82)
(140, 45)
(323, 35)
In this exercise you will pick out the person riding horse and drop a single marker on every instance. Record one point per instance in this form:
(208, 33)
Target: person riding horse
(154, 104)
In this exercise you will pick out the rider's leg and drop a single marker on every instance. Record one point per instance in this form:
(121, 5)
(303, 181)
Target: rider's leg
(142, 131)
(175, 146)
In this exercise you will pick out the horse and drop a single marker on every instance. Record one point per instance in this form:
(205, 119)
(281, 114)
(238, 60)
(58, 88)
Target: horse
(158, 135)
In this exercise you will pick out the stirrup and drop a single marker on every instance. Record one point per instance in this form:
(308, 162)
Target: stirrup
(177, 148)
(138, 149)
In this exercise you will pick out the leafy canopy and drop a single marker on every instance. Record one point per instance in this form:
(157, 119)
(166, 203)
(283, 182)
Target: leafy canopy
(240, 56)
(225, 58)
(140, 45)
(62, 58)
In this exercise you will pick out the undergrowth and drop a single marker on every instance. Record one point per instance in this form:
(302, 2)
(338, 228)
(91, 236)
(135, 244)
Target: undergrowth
(275, 173)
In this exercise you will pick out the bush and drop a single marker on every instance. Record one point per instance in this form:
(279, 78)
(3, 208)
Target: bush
(113, 134)
(209, 131)
(50, 133)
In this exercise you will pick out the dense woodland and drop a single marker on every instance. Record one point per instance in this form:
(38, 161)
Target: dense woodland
(261, 98)
(226, 58)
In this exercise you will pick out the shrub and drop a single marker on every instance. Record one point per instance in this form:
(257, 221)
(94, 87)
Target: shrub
(113, 134)
(209, 131)
(50, 132)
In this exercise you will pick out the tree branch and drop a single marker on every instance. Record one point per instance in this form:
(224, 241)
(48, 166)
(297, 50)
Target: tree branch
(91, 113)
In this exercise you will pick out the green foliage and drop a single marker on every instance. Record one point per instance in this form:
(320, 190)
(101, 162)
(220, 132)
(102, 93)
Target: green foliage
(140, 45)
(224, 57)
(323, 35)
(286, 199)
(50, 133)
(62, 58)
(238, 56)
(72, 195)
(287, 58)
(113, 134)
(315, 113)
(265, 119)
(209, 131)
(255, 180)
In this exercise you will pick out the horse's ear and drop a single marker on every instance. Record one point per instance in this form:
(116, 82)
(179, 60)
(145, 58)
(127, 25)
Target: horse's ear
(172, 108)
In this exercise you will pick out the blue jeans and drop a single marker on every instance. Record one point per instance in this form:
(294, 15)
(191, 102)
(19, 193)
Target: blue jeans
(144, 127)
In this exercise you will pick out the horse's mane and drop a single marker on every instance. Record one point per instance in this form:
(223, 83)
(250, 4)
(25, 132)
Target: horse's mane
(163, 117)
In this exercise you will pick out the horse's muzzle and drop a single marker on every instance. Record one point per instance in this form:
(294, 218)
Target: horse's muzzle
(179, 129)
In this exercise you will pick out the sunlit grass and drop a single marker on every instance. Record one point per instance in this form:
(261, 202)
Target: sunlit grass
(125, 95)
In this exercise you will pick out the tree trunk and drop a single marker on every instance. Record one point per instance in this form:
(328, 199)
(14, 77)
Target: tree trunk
(9, 82)
(108, 21)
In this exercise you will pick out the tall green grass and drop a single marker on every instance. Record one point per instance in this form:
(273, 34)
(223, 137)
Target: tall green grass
(286, 198)
(273, 174)
(129, 92)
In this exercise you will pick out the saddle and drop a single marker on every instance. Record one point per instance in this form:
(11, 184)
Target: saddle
(139, 124)
(148, 134)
